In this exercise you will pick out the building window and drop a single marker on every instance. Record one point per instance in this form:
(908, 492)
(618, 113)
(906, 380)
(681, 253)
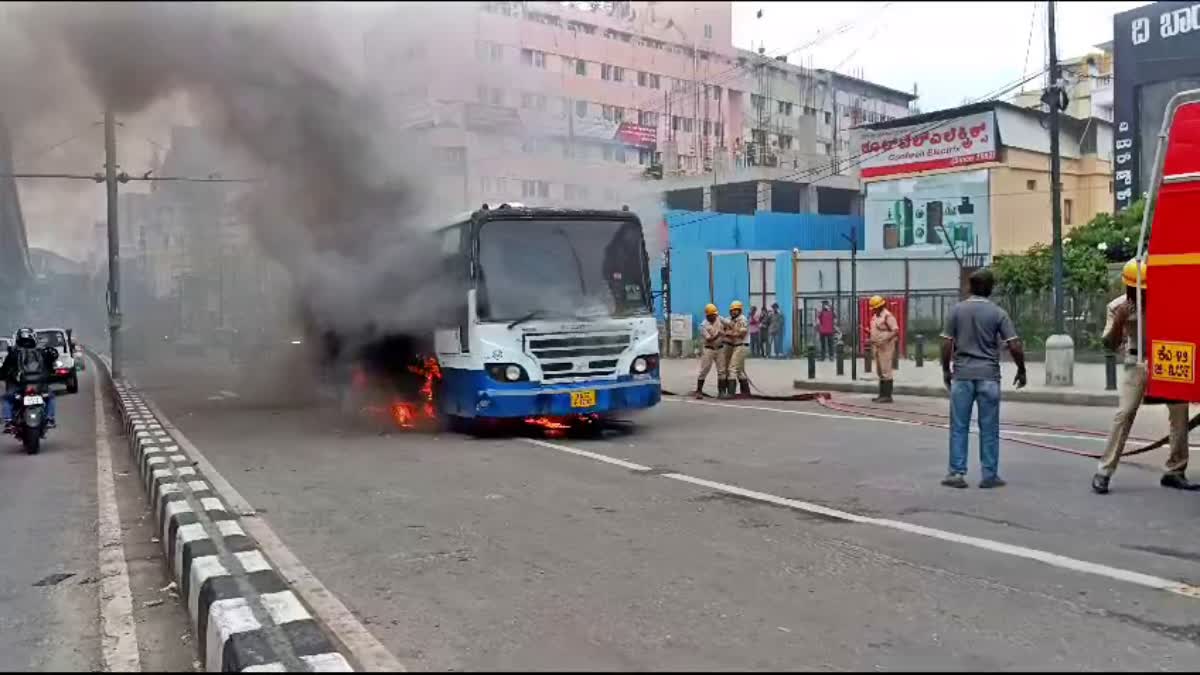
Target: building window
(543, 188)
(707, 128)
(676, 122)
(489, 51)
(823, 148)
(1068, 211)
(716, 90)
(828, 117)
(534, 58)
(649, 80)
(647, 118)
(581, 67)
(485, 185)
(613, 113)
(687, 125)
(708, 33)
(645, 156)
(528, 188)
(1031, 184)
(757, 101)
(785, 142)
(501, 186)
(785, 108)
(612, 73)
(533, 101)
(581, 108)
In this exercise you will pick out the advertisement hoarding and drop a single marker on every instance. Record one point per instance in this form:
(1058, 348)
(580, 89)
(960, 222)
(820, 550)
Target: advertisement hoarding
(1156, 52)
(929, 214)
(970, 139)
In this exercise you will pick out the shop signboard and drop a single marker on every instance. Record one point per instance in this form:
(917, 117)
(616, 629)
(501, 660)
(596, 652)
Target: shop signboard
(969, 139)
(946, 213)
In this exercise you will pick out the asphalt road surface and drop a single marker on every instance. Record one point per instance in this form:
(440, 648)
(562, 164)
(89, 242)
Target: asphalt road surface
(50, 582)
(714, 536)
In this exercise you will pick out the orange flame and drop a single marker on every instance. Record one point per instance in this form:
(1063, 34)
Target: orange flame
(548, 423)
(410, 414)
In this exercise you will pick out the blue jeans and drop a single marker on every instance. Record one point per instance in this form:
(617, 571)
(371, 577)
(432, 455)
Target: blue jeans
(965, 394)
(9, 400)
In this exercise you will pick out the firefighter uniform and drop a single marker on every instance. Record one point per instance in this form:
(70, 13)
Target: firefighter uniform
(1131, 395)
(884, 336)
(737, 346)
(712, 338)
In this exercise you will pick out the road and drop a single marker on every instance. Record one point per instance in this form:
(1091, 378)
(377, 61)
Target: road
(676, 546)
(50, 582)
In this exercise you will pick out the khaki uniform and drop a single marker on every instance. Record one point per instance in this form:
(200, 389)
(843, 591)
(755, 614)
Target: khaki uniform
(737, 344)
(1132, 391)
(885, 336)
(712, 334)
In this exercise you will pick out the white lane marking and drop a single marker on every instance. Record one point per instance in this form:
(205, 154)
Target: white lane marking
(118, 633)
(353, 636)
(228, 394)
(590, 455)
(1052, 559)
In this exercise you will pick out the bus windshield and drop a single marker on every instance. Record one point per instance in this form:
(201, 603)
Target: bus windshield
(561, 268)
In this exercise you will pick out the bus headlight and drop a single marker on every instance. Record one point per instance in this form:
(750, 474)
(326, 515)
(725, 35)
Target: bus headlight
(644, 364)
(507, 372)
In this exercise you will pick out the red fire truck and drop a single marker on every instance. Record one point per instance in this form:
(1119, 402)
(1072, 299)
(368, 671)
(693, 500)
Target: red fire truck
(1170, 245)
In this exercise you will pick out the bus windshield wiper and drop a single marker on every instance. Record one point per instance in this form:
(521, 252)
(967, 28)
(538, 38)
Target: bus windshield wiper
(532, 315)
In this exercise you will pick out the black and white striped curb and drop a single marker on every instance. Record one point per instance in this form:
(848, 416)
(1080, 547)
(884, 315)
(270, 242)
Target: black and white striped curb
(245, 617)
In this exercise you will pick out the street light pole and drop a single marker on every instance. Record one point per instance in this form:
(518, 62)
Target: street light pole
(114, 243)
(1060, 348)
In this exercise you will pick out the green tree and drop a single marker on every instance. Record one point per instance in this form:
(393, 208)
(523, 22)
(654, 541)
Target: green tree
(1116, 237)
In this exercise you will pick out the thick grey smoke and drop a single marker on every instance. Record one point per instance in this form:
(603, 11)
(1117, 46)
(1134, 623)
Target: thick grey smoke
(336, 188)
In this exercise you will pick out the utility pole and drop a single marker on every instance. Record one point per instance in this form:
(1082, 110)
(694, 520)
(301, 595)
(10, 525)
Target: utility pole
(1060, 349)
(853, 239)
(114, 243)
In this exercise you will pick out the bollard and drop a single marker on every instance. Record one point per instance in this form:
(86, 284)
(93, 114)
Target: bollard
(867, 358)
(841, 356)
(812, 362)
(1110, 371)
(920, 355)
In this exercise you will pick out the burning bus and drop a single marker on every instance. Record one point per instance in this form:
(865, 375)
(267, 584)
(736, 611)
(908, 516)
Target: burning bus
(552, 324)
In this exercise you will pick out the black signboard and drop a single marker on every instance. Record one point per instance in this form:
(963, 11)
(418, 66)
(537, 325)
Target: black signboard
(1156, 53)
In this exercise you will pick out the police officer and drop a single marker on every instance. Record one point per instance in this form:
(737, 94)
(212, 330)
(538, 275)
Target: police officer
(712, 335)
(1120, 332)
(737, 344)
(884, 336)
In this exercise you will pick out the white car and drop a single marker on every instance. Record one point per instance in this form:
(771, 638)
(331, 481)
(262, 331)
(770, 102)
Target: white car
(64, 368)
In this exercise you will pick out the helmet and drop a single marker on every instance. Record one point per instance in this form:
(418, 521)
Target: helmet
(710, 309)
(876, 302)
(1129, 274)
(736, 304)
(26, 338)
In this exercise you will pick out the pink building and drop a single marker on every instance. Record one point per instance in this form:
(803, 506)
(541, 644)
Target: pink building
(560, 102)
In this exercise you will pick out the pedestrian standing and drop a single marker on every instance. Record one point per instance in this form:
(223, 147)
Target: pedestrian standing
(764, 332)
(737, 330)
(712, 337)
(775, 330)
(825, 330)
(974, 331)
(755, 334)
(884, 335)
(1120, 332)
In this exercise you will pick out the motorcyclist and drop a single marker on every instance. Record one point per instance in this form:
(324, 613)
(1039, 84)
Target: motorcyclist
(28, 364)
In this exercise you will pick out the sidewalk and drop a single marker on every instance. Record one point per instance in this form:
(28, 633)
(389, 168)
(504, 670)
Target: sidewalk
(787, 375)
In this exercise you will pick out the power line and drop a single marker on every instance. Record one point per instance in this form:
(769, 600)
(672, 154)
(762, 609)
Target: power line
(28, 156)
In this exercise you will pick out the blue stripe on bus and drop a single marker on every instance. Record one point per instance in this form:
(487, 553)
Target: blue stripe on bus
(473, 393)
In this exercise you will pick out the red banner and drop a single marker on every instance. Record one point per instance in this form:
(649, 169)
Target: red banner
(637, 135)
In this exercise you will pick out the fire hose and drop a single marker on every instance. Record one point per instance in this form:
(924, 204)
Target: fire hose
(826, 401)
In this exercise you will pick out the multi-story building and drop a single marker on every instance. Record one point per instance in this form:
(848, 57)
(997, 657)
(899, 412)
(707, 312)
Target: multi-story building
(587, 102)
(1089, 86)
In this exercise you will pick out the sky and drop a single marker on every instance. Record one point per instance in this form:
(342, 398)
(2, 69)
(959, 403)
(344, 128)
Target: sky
(951, 50)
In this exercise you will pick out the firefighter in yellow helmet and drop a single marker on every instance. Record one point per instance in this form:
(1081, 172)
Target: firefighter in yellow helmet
(885, 337)
(712, 338)
(1120, 335)
(737, 345)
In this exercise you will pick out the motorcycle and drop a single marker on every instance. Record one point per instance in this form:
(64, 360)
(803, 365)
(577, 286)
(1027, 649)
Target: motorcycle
(29, 418)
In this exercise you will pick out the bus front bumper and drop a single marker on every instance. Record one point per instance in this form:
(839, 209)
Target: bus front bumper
(538, 400)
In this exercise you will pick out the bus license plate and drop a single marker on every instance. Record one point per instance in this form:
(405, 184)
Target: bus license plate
(33, 400)
(583, 399)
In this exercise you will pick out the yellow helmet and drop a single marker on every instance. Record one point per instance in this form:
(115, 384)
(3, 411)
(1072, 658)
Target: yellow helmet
(1129, 274)
(736, 304)
(710, 309)
(876, 302)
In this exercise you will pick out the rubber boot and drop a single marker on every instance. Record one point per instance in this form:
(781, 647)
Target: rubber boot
(744, 385)
(879, 398)
(885, 395)
(721, 393)
(699, 389)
